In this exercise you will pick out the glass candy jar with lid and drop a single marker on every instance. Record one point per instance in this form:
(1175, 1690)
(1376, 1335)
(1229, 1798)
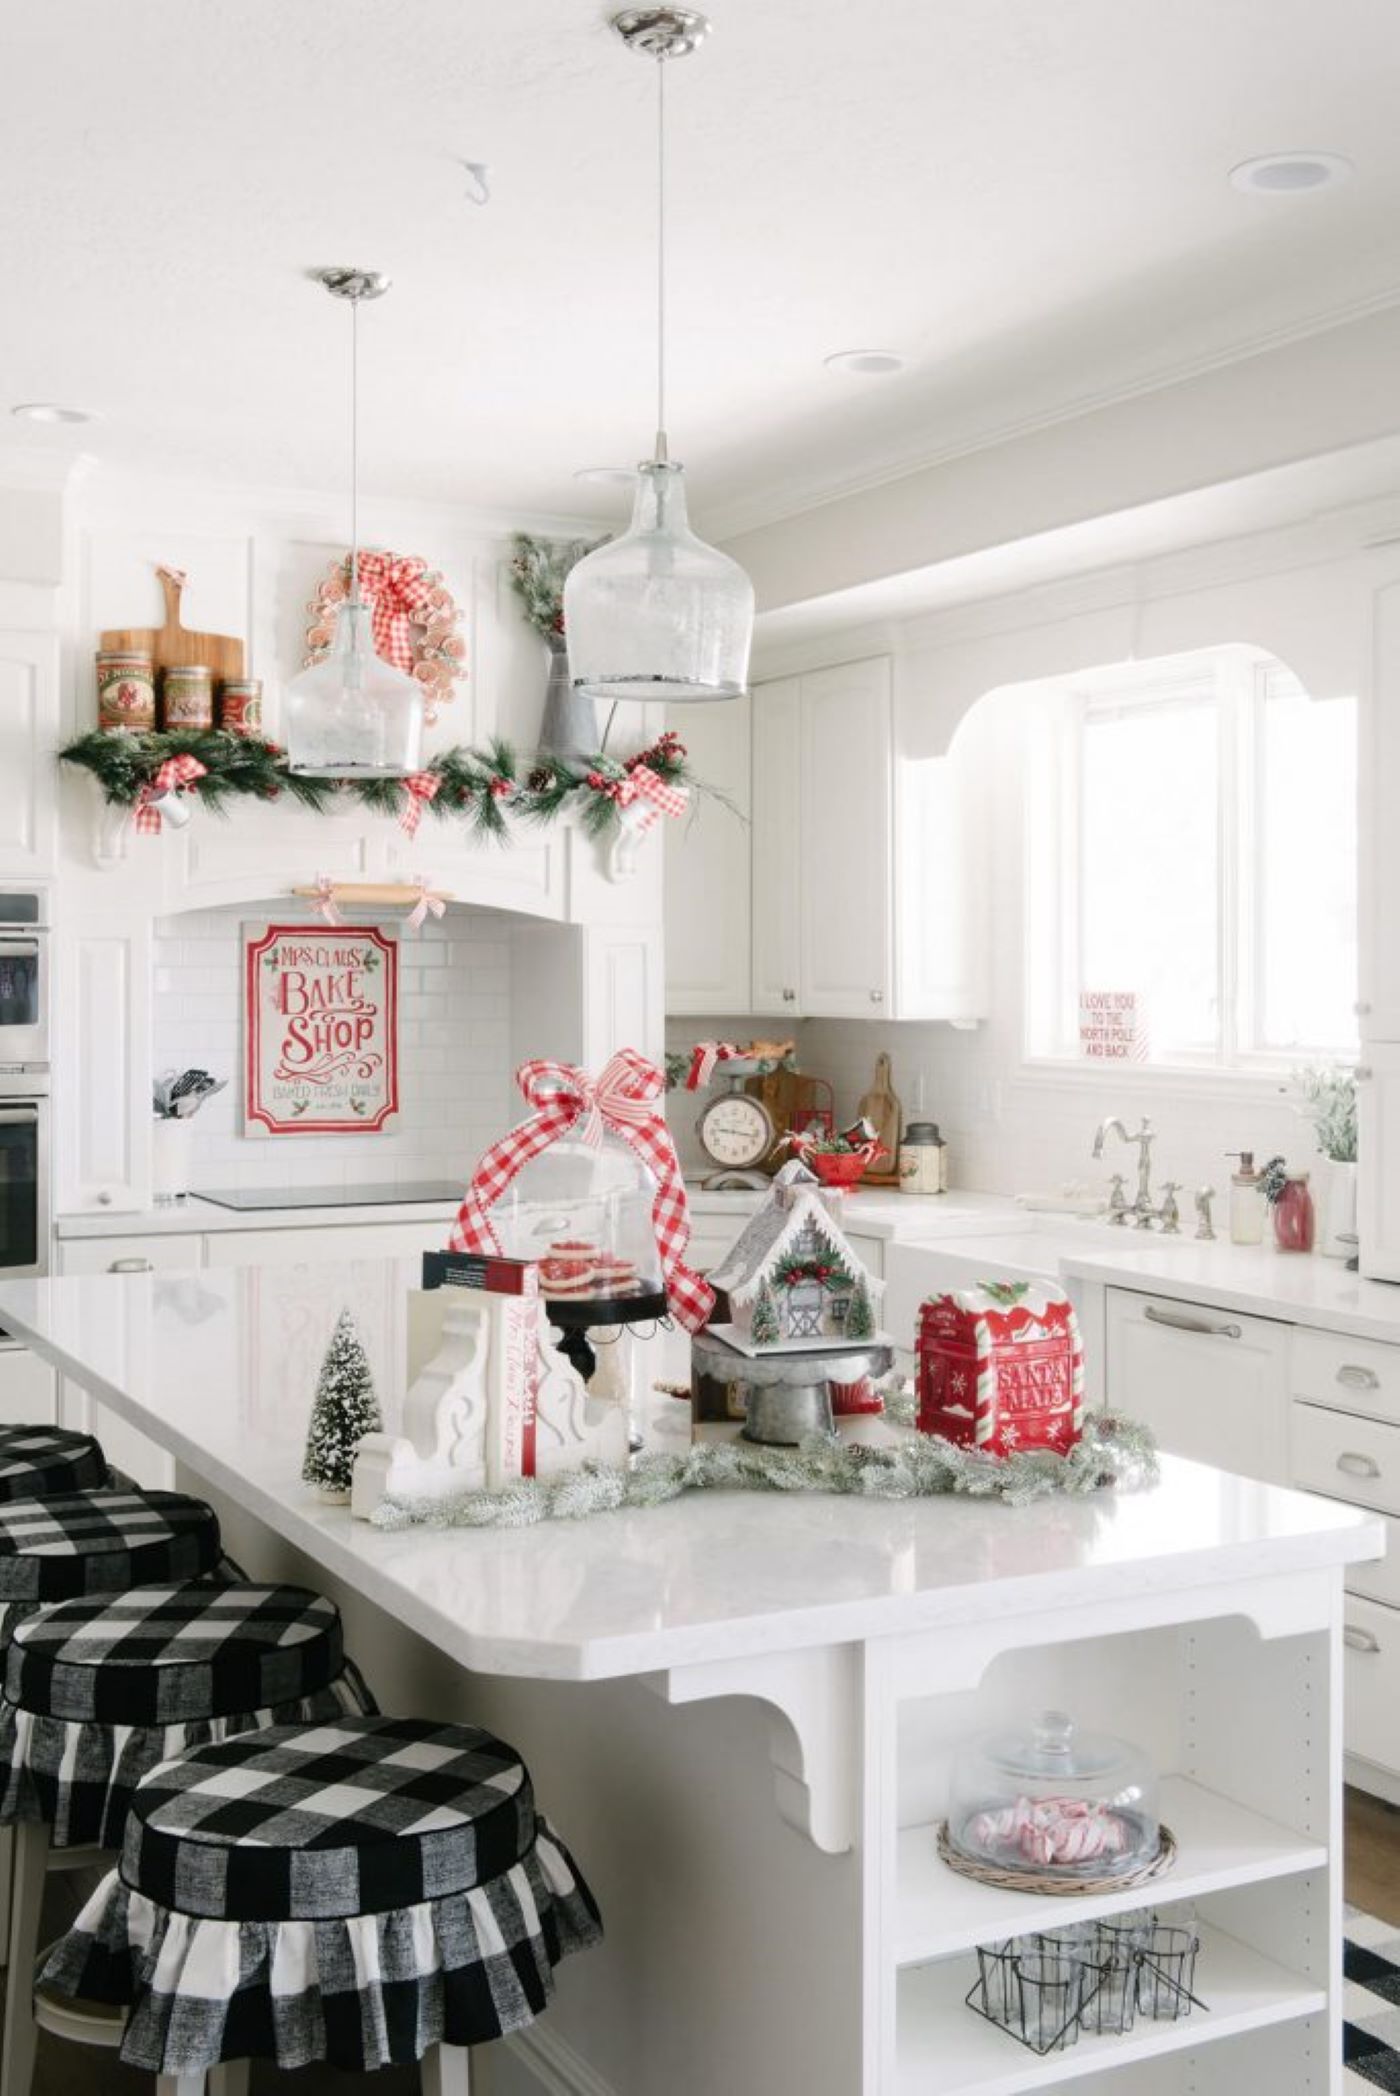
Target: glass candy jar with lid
(1051, 1801)
(583, 1212)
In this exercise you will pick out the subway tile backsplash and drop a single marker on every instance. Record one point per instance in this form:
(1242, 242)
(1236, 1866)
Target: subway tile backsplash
(454, 1054)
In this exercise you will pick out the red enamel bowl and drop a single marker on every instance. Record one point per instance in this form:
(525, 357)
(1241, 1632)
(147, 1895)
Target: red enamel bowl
(833, 1169)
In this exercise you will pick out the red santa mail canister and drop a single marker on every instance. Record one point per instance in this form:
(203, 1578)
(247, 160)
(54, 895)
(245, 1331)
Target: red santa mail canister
(1001, 1366)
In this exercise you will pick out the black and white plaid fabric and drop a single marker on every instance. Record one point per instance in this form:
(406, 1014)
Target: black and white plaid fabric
(254, 1911)
(38, 1460)
(82, 1543)
(100, 1693)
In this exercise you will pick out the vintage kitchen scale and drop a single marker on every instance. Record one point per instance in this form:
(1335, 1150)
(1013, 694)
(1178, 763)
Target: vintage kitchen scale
(741, 1128)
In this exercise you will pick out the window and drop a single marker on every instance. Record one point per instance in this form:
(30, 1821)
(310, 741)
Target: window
(1191, 838)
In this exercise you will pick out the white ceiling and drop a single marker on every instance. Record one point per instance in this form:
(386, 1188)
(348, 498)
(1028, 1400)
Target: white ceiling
(1030, 200)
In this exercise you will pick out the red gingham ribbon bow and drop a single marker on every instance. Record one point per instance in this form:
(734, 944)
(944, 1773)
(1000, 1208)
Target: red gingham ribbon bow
(426, 902)
(644, 785)
(173, 774)
(623, 1098)
(421, 787)
(396, 589)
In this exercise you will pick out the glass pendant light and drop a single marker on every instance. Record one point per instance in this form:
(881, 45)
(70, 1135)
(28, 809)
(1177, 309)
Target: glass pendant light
(657, 614)
(353, 714)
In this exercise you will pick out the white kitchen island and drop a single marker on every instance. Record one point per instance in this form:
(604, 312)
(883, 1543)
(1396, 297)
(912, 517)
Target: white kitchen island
(740, 1712)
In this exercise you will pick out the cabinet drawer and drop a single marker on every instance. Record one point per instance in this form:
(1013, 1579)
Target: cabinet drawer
(1379, 1580)
(1346, 1457)
(177, 1253)
(1354, 1375)
(1372, 1639)
(1211, 1384)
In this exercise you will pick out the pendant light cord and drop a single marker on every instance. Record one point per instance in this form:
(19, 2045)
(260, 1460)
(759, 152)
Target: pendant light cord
(354, 450)
(661, 451)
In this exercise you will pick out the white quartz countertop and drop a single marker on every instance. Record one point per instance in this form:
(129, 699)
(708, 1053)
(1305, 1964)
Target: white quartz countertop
(887, 1213)
(200, 1363)
(1295, 1287)
(198, 1217)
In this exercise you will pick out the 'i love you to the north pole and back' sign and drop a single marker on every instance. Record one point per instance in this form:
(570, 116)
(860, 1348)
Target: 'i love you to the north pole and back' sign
(321, 1024)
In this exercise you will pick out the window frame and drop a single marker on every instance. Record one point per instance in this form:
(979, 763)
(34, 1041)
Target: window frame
(1239, 681)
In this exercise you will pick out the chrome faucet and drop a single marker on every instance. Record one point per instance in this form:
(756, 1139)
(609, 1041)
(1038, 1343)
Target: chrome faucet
(1142, 1211)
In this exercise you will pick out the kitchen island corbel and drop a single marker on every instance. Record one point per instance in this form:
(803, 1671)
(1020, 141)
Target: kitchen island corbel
(741, 1712)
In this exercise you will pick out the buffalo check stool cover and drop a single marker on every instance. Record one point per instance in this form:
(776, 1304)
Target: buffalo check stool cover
(99, 1542)
(354, 1892)
(99, 1692)
(38, 1460)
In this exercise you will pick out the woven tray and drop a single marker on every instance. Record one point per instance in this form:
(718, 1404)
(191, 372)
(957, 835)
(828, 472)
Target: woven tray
(1057, 1882)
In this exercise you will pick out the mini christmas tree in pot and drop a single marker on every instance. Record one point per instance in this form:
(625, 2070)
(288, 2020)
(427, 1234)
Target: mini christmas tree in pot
(344, 1411)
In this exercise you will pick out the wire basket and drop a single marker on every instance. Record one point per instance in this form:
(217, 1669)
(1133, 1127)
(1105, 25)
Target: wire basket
(1091, 1978)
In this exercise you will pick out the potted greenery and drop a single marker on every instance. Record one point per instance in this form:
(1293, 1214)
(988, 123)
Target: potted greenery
(1326, 1094)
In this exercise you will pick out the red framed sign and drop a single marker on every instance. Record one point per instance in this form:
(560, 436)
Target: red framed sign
(321, 1030)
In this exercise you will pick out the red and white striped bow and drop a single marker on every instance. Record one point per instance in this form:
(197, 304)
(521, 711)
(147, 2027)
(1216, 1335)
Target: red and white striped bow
(324, 899)
(173, 774)
(648, 796)
(624, 1098)
(426, 902)
(421, 787)
(397, 590)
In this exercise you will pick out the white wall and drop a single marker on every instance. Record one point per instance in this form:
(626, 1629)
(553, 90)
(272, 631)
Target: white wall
(454, 1055)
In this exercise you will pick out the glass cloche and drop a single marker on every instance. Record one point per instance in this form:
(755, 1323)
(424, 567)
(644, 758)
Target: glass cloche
(584, 1214)
(1052, 1800)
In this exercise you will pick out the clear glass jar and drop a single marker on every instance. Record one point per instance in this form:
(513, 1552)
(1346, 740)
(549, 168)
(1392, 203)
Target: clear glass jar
(1048, 1799)
(584, 1215)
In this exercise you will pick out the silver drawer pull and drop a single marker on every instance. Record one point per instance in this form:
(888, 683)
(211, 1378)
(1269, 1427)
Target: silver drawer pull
(130, 1266)
(1179, 1323)
(1358, 1378)
(1360, 1640)
(1358, 1466)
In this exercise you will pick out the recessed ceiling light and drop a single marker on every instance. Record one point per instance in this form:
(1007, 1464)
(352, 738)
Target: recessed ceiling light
(866, 363)
(49, 411)
(1289, 174)
(607, 476)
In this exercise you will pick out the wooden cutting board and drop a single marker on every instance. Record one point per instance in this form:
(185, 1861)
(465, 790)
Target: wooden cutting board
(881, 1107)
(173, 645)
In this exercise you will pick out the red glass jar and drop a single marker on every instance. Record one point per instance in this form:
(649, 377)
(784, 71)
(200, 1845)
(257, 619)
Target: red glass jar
(1295, 1219)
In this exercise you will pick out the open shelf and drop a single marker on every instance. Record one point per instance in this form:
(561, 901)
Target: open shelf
(944, 2045)
(950, 2048)
(1219, 1844)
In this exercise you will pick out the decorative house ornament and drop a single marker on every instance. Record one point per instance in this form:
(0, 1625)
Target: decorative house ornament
(1113, 1026)
(413, 620)
(792, 1276)
(321, 1021)
(352, 712)
(657, 614)
(1001, 1367)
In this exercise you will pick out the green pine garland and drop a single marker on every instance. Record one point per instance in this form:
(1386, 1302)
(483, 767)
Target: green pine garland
(1115, 1453)
(478, 787)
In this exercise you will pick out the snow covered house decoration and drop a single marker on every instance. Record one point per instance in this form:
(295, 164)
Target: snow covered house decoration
(1001, 1366)
(792, 1274)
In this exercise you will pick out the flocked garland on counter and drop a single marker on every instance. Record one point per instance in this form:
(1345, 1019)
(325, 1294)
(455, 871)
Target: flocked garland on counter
(1114, 1452)
(479, 787)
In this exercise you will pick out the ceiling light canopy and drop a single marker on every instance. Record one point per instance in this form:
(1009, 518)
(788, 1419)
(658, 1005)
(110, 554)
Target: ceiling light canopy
(352, 713)
(656, 614)
(50, 411)
(866, 363)
(1290, 174)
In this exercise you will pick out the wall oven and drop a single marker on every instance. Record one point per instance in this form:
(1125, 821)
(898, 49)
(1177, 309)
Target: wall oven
(24, 979)
(24, 1174)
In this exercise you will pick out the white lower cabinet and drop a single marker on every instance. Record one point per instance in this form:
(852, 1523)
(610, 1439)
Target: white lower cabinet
(135, 1260)
(1372, 1640)
(28, 1388)
(1210, 1384)
(709, 896)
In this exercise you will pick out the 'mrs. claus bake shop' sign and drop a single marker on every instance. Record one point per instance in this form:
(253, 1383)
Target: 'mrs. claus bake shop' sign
(321, 1012)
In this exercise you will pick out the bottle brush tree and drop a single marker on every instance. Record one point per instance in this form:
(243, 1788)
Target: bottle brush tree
(860, 1315)
(344, 1411)
(763, 1326)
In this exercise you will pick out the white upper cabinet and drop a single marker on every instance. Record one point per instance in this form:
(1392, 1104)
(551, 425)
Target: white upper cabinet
(865, 905)
(776, 833)
(708, 889)
(28, 735)
(1379, 884)
(845, 864)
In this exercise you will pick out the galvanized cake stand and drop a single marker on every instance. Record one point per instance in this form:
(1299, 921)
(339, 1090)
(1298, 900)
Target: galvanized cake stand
(781, 1397)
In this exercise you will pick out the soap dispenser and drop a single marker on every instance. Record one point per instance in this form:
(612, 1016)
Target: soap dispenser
(1248, 1207)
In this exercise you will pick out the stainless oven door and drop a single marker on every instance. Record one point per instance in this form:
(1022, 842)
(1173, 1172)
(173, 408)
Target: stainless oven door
(24, 995)
(24, 1187)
